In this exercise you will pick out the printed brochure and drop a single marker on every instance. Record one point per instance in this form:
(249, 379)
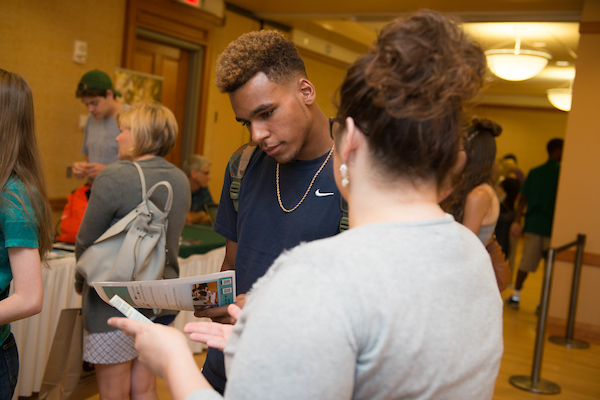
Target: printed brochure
(190, 294)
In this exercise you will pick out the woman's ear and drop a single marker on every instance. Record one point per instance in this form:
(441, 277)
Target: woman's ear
(307, 90)
(349, 140)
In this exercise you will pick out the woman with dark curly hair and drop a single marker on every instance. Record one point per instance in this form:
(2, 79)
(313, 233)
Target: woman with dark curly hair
(474, 202)
(400, 306)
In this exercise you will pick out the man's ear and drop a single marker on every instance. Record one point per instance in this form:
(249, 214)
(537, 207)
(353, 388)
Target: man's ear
(110, 94)
(307, 90)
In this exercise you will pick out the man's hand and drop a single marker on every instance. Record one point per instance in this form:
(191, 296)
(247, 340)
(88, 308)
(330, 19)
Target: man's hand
(515, 230)
(80, 169)
(213, 334)
(93, 169)
(221, 314)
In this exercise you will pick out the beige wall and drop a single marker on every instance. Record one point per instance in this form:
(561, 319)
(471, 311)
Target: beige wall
(37, 39)
(327, 78)
(578, 200)
(223, 134)
(36, 34)
(526, 131)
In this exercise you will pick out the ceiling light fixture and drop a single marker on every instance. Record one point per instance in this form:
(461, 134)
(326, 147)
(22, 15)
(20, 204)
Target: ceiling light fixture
(560, 98)
(516, 64)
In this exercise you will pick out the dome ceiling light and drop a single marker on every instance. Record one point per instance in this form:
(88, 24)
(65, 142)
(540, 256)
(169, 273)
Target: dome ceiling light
(516, 64)
(560, 98)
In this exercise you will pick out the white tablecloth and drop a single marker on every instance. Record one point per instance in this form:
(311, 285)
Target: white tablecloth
(34, 335)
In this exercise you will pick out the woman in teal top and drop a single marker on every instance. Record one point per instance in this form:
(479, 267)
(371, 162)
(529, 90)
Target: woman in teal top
(25, 220)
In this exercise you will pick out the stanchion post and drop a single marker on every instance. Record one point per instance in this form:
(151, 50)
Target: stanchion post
(568, 340)
(534, 383)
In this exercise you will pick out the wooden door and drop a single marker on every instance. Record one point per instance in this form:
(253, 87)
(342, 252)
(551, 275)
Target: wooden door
(172, 64)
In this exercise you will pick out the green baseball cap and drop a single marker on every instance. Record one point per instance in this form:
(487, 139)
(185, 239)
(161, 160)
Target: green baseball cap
(96, 80)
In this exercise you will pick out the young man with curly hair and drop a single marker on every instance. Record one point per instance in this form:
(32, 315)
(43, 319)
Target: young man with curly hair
(288, 193)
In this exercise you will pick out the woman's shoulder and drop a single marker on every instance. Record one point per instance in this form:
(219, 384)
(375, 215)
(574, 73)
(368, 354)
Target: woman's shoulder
(118, 167)
(115, 175)
(15, 188)
(482, 193)
(14, 183)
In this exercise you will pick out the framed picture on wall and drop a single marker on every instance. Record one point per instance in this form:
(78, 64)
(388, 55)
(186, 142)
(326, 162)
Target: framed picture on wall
(137, 86)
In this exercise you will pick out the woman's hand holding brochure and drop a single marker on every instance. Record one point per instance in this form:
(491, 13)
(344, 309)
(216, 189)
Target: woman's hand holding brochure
(164, 351)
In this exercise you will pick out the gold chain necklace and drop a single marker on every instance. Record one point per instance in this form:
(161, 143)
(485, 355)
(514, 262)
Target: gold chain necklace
(307, 190)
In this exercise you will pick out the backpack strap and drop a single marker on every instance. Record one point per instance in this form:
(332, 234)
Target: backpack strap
(237, 168)
(146, 195)
(344, 219)
(142, 179)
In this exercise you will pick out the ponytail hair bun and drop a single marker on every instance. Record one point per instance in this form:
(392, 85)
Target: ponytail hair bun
(410, 91)
(424, 66)
(479, 125)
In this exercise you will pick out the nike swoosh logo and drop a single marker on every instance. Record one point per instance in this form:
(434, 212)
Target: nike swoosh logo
(319, 194)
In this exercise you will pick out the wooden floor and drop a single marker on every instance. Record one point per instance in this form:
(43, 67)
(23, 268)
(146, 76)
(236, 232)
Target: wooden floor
(577, 372)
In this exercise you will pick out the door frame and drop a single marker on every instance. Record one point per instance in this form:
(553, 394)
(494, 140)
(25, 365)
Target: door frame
(185, 27)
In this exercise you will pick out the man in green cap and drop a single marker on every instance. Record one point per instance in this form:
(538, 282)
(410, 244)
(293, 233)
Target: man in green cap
(100, 148)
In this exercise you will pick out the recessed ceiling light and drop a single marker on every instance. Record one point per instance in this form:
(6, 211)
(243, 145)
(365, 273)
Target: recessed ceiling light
(562, 64)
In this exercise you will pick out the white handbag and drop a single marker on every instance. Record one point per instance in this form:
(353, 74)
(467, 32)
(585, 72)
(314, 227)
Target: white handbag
(134, 248)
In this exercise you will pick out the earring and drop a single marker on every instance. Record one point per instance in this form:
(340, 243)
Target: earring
(344, 171)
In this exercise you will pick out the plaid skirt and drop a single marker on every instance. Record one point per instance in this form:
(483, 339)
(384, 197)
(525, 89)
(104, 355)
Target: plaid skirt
(108, 348)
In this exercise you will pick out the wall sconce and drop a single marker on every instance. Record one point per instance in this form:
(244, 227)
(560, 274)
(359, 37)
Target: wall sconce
(516, 64)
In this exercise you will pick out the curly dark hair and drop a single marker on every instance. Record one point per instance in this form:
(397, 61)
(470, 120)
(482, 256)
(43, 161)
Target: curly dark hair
(480, 146)
(409, 91)
(266, 51)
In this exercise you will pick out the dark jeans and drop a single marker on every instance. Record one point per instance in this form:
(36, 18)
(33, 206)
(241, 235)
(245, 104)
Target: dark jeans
(214, 369)
(9, 368)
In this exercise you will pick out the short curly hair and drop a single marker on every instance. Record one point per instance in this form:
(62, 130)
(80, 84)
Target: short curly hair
(266, 51)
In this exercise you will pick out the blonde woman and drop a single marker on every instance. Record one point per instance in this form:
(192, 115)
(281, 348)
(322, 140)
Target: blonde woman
(148, 132)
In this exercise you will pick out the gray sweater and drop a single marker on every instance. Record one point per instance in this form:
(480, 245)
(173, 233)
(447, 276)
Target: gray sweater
(387, 311)
(116, 191)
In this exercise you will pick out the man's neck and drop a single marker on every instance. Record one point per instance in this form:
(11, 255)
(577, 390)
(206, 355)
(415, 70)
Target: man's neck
(114, 109)
(319, 140)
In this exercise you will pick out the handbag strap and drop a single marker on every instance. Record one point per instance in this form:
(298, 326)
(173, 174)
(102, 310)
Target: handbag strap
(169, 201)
(146, 195)
(142, 179)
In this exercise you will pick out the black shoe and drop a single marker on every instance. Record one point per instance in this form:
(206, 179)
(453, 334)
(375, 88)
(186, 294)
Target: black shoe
(513, 303)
